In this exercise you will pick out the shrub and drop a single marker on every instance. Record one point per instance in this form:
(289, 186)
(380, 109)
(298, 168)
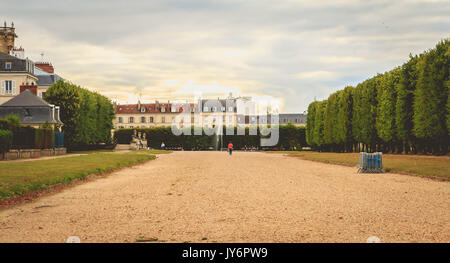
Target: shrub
(23, 138)
(5, 140)
(290, 136)
(87, 115)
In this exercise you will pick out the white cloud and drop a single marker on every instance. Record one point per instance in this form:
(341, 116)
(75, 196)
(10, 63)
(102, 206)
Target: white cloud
(291, 51)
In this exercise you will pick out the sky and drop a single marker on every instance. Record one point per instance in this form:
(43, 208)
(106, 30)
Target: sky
(288, 51)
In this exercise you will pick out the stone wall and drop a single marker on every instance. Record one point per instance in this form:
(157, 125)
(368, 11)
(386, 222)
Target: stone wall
(32, 153)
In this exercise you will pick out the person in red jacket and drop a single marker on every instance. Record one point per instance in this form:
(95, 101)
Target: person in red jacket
(230, 148)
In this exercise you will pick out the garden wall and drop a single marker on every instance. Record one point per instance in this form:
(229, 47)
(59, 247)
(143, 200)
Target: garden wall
(31, 153)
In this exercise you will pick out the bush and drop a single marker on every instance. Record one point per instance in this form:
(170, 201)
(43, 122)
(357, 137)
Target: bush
(291, 137)
(44, 138)
(87, 115)
(6, 138)
(24, 138)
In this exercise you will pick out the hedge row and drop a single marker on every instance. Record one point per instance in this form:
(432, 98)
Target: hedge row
(87, 115)
(404, 110)
(26, 137)
(290, 137)
(6, 138)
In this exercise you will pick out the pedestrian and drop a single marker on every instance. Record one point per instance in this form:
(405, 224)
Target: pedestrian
(163, 146)
(230, 148)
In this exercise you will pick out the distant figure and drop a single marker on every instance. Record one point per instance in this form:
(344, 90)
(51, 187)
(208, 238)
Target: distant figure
(230, 148)
(163, 145)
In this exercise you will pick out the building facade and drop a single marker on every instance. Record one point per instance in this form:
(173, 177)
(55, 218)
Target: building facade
(14, 72)
(205, 113)
(45, 73)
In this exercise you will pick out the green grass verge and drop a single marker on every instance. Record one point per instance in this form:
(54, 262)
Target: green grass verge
(19, 178)
(428, 166)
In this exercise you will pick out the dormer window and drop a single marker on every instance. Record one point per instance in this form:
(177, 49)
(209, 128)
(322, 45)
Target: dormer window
(163, 109)
(205, 109)
(143, 109)
(230, 109)
(8, 65)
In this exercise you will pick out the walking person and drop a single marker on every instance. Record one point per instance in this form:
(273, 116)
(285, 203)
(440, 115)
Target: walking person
(163, 146)
(230, 148)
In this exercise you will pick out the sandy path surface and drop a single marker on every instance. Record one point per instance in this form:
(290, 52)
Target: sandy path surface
(248, 197)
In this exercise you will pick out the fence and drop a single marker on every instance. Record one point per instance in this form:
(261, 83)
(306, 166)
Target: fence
(59, 139)
(370, 162)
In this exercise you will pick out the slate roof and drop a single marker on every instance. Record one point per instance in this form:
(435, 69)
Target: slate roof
(221, 103)
(45, 78)
(17, 64)
(25, 99)
(31, 109)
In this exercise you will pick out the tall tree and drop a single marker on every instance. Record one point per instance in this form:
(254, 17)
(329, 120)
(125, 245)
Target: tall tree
(404, 105)
(387, 96)
(344, 118)
(430, 111)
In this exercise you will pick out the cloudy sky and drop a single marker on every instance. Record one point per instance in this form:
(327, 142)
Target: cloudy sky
(291, 51)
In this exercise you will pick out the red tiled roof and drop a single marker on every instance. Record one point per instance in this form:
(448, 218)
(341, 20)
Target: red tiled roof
(149, 108)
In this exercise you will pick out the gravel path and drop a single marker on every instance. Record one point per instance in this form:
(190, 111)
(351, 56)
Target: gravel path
(247, 197)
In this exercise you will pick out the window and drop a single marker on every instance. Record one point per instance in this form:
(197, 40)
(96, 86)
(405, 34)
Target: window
(163, 119)
(131, 120)
(214, 109)
(27, 113)
(143, 119)
(151, 119)
(205, 109)
(223, 108)
(8, 65)
(230, 109)
(120, 120)
(163, 109)
(8, 87)
(143, 109)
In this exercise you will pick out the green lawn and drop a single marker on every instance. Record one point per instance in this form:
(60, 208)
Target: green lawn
(18, 178)
(429, 166)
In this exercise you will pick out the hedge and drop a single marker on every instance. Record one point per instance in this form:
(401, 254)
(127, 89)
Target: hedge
(87, 115)
(291, 137)
(26, 137)
(6, 138)
(403, 110)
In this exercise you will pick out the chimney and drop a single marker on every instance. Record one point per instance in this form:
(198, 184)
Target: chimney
(33, 88)
(45, 66)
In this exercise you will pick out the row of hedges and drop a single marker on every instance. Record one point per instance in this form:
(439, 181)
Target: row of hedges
(404, 110)
(87, 115)
(24, 137)
(291, 137)
(6, 138)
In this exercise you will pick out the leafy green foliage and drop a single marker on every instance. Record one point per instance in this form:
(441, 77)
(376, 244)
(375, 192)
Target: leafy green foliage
(87, 115)
(403, 110)
(291, 137)
(6, 138)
